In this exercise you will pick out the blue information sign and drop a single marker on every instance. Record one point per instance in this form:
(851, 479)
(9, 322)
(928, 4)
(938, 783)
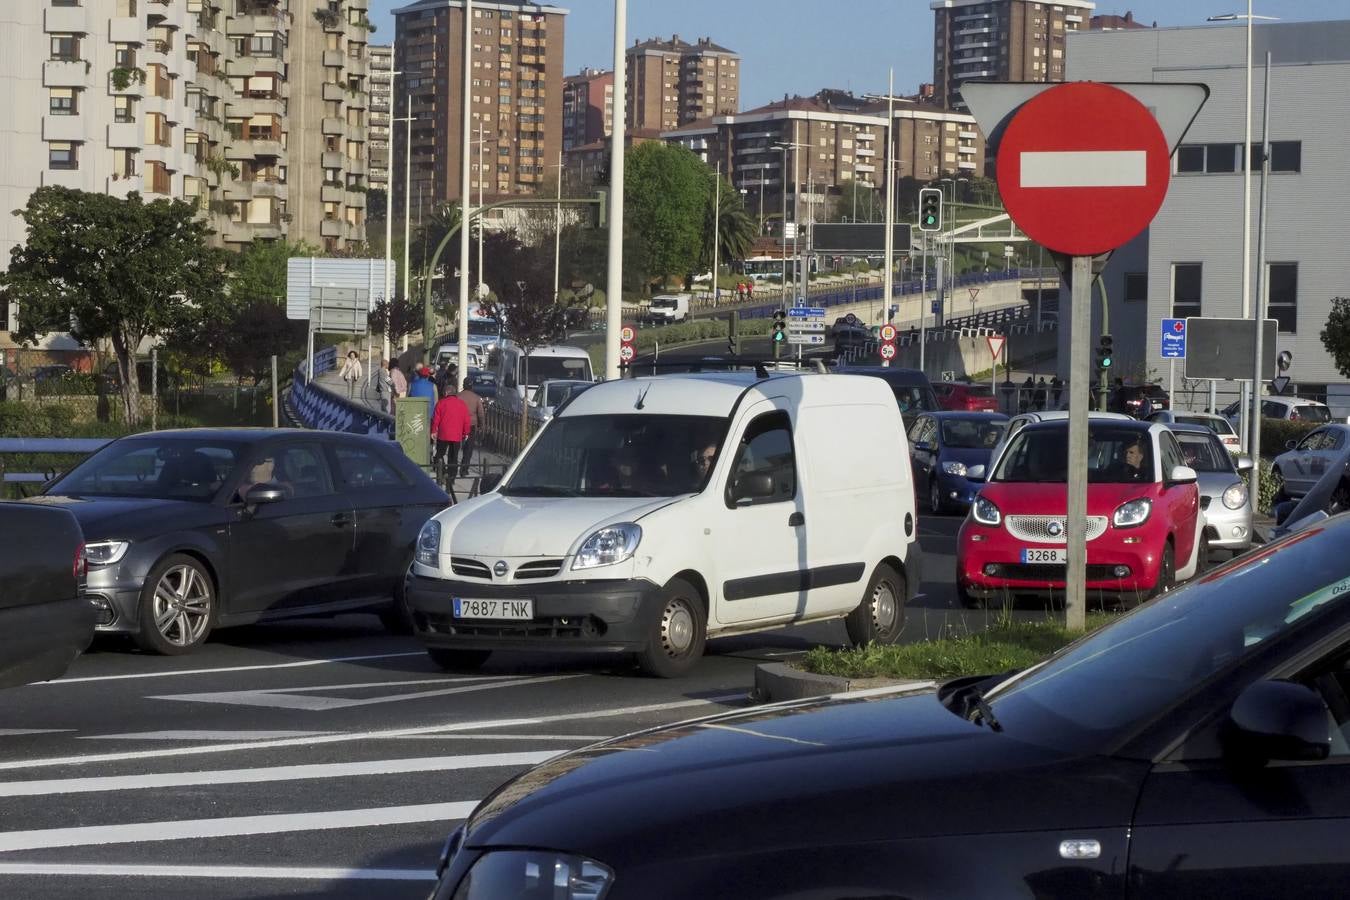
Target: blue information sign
(1173, 339)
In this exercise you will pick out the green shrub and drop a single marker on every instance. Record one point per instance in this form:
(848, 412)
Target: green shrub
(1277, 433)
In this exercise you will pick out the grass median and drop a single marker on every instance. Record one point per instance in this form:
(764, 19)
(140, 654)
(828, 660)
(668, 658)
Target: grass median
(1004, 645)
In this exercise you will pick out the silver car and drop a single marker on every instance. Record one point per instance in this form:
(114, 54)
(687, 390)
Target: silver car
(1305, 460)
(1223, 493)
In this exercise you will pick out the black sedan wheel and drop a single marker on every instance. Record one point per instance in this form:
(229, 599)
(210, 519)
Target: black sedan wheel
(935, 504)
(880, 618)
(177, 608)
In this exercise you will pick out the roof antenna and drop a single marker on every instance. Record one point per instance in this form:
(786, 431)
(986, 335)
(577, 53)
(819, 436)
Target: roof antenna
(820, 366)
(642, 398)
(761, 371)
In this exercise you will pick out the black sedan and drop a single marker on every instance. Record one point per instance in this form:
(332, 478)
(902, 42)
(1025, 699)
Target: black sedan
(189, 530)
(1197, 747)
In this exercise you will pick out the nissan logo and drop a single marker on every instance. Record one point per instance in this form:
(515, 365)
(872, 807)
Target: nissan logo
(500, 568)
(1054, 529)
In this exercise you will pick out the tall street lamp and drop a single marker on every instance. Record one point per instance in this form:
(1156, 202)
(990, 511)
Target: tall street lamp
(466, 127)
(889, 158)
(785, 146)
(614, 273)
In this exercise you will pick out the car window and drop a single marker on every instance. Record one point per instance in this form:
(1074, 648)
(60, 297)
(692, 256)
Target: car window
(1273, 410)
(146, 467)
(1310, 413)
(1310, 442)
(361, 467)
(1204, 454)
(302, 469)
(1171, 453)
(971, 434)
(1334, 440)
(766, 449)
(1040, 455)
(916, 430)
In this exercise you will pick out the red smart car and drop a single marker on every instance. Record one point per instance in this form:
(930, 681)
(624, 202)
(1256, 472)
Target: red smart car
(1145, 528)
(965, 397)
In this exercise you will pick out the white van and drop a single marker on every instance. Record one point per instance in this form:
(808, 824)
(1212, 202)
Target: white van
(652, 514)
(665, 309)
(519, 376)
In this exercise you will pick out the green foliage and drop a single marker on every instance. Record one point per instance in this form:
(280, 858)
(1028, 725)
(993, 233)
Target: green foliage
(105, 267)
(1004, 645)
(258, 272)
(327, 18)
(1271, 487)
(734, 225)
(1336, 334)
(1277, 433)
(220, 166)
(858, 203)
(666, 195)
(123, 76)
(396, 317)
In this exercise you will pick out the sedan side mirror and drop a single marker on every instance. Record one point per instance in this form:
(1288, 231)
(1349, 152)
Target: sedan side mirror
(753, 486)
(1244, 463)
(1290, 445)
(1278, 720)
(262, 494)
(1182, 475)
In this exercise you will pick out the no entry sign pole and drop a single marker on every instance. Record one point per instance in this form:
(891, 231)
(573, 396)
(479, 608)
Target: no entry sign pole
(1075, 585)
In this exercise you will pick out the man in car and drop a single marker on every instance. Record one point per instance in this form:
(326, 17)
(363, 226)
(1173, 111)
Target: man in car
(1130, 465)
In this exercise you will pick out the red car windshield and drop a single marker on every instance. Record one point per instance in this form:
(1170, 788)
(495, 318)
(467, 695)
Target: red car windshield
(1040, 455)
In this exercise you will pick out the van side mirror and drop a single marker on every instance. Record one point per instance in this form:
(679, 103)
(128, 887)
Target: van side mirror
(1291, 445)
(1278, 720)
(922, 446)
(752, 486)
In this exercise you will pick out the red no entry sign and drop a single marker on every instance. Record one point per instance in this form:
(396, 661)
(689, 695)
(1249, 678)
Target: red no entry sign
(1083, 168)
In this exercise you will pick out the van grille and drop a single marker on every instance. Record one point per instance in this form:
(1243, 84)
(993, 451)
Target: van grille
(1038, 528)
(540, 568)
(467, 567)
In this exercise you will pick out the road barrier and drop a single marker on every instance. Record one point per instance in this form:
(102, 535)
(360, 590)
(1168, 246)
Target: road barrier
(313, 406)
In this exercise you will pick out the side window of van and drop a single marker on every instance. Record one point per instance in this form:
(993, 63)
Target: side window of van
(765, 450)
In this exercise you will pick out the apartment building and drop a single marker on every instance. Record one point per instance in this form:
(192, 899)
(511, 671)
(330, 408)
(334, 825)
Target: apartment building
(672, 83)
(1189, 261)
(588, 107)
(381, 96)
(1001, 40)
(839, 138)
(515, 95)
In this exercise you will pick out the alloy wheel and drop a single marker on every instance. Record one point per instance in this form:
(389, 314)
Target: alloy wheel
(182, 605)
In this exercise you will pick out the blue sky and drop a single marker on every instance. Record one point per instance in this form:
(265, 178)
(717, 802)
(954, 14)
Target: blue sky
(800, 46)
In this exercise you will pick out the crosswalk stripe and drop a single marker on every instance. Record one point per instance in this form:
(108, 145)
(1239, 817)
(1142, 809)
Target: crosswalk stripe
(188, 829)
(266, 774)
(169, 673)
(306, 873)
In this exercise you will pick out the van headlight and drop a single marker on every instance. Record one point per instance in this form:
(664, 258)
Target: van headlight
(1235, 497)
(535, 875)
(105, 553)
(429, 545)
(985, 512)
(611, 544)
(1132, 513)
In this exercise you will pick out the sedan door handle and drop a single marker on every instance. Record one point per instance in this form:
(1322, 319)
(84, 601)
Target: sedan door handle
(343, 519)
(796, 519)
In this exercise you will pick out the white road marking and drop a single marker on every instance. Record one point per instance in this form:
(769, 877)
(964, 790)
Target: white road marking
(347, 737)
(235, 826)
(1084, 168)
(261, 775)
(295, 698)
(201, 735)
(20, 732)
(307, 873)
(579, 738)
(257, 668)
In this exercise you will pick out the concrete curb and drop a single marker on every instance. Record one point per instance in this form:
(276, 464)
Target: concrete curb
(778, 681)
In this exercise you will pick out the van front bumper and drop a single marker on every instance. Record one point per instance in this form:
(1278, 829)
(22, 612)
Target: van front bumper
(609, 616)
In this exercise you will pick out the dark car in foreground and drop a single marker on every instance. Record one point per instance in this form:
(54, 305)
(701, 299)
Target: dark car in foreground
(950, 452)
(44, 622)
(1196, 747)
(190, 530)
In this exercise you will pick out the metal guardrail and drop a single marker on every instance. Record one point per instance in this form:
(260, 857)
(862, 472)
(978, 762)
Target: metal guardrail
(43, 446)
(314, 406)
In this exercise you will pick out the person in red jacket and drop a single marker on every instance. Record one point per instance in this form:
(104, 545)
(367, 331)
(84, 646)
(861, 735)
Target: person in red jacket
(450, 425)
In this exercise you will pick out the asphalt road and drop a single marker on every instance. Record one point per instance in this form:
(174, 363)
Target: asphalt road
(324, 758)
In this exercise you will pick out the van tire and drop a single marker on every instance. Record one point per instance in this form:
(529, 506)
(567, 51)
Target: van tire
(457, 660)
(880, 617)
(677, 634)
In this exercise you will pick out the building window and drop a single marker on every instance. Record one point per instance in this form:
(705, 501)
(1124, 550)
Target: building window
(1285, 156)
(1136, 286)
(1190, 158)
(65, 47)
(1221, 158)
(62, 155)
(65, 2)
(62, 102)
(1282, 302)
(1185, 290)
(124, 109)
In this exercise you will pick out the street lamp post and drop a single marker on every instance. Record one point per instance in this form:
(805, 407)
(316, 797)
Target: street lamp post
(462, 363)
(480, 291)
(785, 146)
(614, 273)
(389, 216)
(888, 158)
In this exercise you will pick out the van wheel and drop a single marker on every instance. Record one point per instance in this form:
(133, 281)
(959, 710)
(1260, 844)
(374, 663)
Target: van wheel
(676, 638)
(177, 607)
(454, 660)
(880, 617)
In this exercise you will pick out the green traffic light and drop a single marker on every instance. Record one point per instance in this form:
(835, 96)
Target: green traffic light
(778, 337)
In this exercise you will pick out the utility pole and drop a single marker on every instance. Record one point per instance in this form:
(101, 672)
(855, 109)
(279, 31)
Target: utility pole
(1262, 293)
(407, 202)
(614, 273)
(389, 218)
(462, 363)
(557, 231)
(717, 226)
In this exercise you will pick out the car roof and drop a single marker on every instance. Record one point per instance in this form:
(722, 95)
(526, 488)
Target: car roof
(1056, 415)
(712, 393)
(1180, 428)
(978, 415)
(245, 435)
(887, 373)
(1123, 422)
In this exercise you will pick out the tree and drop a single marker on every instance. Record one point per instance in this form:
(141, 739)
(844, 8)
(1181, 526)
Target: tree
(258, 271)
(858, 202)
(396, 317)
(104, 267)
(734, 226)
(1336, 335)
(665, 197)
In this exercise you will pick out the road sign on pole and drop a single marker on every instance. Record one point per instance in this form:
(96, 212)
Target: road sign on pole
(887, 351)
(1279, 383)
(806, 325)
(1173, 339)
(887, 333)
(626, 334)
(996, 342)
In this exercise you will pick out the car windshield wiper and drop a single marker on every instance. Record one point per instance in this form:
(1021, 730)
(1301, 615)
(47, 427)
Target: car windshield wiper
(538, 490)
(978, 709)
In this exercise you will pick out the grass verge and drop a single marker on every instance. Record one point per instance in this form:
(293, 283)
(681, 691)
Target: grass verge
(1003, 645)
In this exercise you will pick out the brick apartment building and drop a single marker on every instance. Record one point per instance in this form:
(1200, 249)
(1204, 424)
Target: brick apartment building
(674, 82)
(588, 107)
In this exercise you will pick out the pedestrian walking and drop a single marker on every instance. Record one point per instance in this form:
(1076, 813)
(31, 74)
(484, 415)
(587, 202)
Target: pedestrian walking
(1056, 389)
(384, 387)
(1040, 395)
(351, 371)
(477, 412)
(1025, 394)
(421, 385)
(450, 425)
(400, 382)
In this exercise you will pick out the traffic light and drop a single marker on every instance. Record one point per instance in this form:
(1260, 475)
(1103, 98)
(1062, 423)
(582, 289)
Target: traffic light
(779, 325)
(930, 209)
(1104, 352)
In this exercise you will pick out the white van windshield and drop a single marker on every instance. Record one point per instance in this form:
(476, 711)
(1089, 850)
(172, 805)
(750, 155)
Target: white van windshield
(620, 456)
(538, 369)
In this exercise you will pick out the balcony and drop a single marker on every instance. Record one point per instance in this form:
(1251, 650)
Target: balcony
(333, 160)
(865, 151)
(333, 126)
(358, 100)
(66, 20)
(257, 106)
(237, 150)
(974, 45)
(860, 167)
(126, 30)
(355, 166)
(330, 228)
(966, 164)
(266, 147)
(332, 193)
(964, 149)
(63, 128)
(334, 92)
(246, 26)
(59, 73)
(334, 59)
(356, 199)
(124, 135)
(970, 136)
(121, 186)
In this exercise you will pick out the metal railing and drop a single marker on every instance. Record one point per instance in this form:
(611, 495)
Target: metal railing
(58, 451)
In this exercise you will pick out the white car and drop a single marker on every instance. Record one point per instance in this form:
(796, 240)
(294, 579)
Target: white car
(652, 514)
(1215, 423)
(1295, 409)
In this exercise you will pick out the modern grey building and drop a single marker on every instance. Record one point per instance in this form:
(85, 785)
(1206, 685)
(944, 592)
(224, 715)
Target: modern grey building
(1189, 262)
